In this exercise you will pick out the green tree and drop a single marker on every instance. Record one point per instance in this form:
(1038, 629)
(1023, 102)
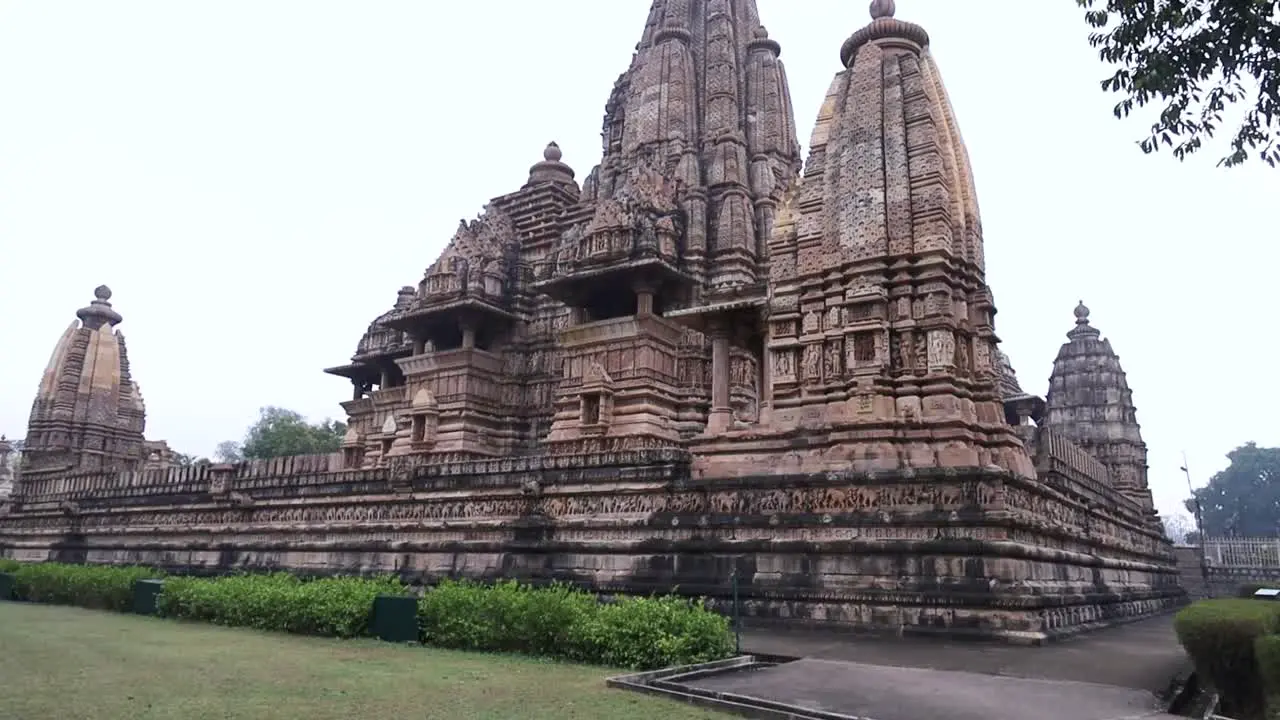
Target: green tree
(1244, 499)
(1197, 57)
(281, 433)
(184, 460)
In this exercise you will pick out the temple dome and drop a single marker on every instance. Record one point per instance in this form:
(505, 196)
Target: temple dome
(88, 413)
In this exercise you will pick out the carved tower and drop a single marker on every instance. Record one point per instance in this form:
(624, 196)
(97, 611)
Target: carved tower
(1090, 402)
(88, 413)
(699, 148)
(882, 347)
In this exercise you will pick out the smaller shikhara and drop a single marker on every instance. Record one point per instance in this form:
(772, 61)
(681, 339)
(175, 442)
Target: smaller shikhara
(699, 364)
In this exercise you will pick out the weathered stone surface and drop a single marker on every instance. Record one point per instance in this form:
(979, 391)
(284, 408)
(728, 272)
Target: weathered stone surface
(695, 366)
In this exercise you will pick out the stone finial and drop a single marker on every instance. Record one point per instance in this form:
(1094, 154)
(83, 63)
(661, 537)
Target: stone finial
(99, 312)
(1083, 330)
(1082, 314)
(883, 9)
(551, 169)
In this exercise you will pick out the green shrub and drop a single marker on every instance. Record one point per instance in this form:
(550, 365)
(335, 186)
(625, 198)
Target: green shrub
(1267, 651)
(507, 617)
(334, 607)
(100, 587)
(650, 633)
(8, 566)
(1220, 635)
(561, 622)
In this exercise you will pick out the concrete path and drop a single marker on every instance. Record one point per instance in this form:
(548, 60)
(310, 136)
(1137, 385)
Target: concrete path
(1113, 674)
(896, 693)
(1142, 656)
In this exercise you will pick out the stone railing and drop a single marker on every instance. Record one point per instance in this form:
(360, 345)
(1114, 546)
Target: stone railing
(1061, 462)
(299, 475)
(1229, 564)
(1243, 552)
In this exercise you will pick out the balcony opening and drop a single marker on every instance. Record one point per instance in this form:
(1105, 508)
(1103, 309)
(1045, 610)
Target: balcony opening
(609, 302)
(419, 428)
(352, 458)
(591, 409)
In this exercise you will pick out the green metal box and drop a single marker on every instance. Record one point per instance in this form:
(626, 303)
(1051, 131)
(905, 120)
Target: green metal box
(146, 593)
(395, 618)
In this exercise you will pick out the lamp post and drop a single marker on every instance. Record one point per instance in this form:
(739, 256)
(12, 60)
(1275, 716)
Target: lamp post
(1204, 558)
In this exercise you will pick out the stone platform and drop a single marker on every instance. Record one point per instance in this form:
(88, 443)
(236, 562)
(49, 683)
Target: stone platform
(955, 551)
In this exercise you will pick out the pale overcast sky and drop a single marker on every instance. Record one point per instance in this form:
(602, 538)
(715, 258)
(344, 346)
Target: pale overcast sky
(256, 179)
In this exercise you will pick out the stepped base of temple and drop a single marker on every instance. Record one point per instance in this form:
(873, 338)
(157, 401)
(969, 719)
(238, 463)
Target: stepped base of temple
(965, 551)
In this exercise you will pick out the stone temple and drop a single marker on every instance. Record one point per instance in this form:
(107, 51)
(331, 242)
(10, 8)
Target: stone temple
(709, 358)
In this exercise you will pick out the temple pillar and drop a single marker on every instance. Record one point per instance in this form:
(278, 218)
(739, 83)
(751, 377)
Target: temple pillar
(721, 410)
(384, 380)
(644, 300)
(357, 389)
(468, 336)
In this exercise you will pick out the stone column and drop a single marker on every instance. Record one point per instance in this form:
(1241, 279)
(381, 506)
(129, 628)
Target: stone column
(384, 381)
(721, 410)
(468, 336)
(357, 389)
(765, 382)
(644, 299)
(419, 345)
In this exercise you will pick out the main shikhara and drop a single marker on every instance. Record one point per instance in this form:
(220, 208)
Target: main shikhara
(708, 358)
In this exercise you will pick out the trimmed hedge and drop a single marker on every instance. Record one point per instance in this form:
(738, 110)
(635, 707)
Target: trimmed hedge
(1221, 636)
(555, 622)
(331, 607)
(98, 587)
(1266, 650)
(565, 623)
(8, 566)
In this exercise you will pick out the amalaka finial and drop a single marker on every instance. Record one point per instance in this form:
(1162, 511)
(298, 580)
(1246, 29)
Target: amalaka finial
(883, 9)
(99, 312)
(1082, 314)
(551, 169)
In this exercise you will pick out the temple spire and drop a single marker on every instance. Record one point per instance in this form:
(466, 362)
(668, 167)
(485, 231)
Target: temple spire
(88, 413)
(1090, 402)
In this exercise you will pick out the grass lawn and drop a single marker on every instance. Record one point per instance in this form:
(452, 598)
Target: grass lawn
(60, 663)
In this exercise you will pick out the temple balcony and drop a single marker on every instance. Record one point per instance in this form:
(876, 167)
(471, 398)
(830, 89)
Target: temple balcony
(389, 396)
(612, 257)
(355, 408)
(621, 329)
(430, 362)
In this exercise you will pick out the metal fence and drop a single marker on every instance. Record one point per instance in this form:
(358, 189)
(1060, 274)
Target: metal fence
(1243, 552)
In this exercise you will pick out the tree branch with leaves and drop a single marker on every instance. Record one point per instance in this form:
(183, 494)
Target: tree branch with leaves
(1198, 58)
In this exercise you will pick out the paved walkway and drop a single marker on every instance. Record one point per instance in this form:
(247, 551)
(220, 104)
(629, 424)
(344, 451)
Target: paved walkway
(1143, 655)
(1112, 674)
(896, 693)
